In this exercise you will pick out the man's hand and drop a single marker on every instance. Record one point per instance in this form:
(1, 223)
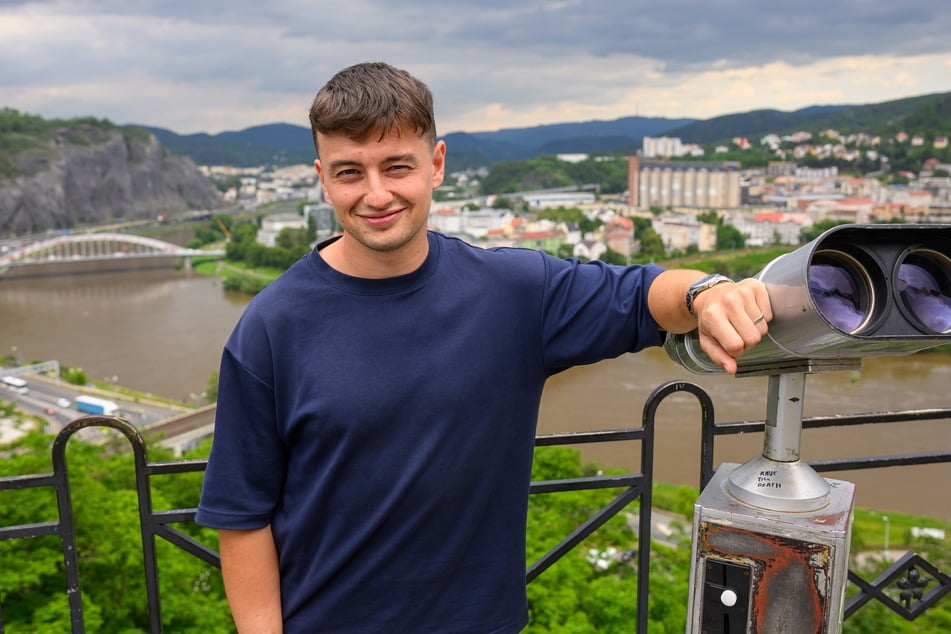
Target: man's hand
(731, 319)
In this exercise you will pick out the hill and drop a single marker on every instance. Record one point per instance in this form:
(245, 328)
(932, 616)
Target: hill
(881, 118)
(274, 144)
(282, 144)
(57, 174)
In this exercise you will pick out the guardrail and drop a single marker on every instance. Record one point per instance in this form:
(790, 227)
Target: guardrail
(920, 583)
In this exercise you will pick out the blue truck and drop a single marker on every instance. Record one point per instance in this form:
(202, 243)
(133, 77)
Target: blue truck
(95, 405)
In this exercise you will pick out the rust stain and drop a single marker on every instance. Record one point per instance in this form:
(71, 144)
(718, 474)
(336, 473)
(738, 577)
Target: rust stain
(791, 577)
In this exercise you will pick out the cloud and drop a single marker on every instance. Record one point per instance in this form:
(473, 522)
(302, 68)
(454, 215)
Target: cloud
(213, 66)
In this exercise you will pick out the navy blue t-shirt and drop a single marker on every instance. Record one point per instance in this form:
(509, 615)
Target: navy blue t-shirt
(384, 428)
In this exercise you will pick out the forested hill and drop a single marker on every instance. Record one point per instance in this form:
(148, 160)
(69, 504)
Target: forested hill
(927, 114)
(57, 174)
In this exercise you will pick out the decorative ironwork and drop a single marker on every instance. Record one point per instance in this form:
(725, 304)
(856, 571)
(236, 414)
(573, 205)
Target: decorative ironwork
(914, 596)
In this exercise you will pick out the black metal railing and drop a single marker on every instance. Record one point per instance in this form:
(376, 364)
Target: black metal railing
(920, 583)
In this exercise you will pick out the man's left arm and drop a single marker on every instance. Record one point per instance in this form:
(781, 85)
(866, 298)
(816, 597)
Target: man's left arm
(730, 317)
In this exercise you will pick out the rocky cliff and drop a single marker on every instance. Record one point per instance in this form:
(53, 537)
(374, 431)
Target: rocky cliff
(75, 177)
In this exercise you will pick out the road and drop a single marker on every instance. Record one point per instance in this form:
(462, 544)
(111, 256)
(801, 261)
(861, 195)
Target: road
(53, 401)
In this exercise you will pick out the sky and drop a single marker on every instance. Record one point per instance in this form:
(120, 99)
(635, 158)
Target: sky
(212, 66)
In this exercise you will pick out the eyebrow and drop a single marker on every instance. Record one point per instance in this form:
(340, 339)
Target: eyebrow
(396, 158)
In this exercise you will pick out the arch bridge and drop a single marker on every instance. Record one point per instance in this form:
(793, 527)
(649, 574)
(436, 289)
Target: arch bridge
(95, 252)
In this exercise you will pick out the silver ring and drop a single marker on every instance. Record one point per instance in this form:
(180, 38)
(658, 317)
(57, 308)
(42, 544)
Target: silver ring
(759, 319)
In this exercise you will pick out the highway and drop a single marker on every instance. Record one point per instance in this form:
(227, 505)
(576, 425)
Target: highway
(53, 401)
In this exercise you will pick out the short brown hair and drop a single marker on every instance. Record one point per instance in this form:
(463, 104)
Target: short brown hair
(369, 98)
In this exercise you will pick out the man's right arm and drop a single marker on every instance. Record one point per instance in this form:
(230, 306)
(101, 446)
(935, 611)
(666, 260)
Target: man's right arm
(252, 580)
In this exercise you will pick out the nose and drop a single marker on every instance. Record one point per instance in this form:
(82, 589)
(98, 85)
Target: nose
(378, 194)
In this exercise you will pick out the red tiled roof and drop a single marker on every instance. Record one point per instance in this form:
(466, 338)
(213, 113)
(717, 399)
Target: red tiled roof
(534, 235)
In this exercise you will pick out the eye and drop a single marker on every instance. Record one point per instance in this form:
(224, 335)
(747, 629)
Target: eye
(346, 173)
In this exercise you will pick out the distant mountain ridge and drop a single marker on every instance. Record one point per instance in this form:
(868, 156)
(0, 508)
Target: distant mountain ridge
(272, 144)
(284, 144)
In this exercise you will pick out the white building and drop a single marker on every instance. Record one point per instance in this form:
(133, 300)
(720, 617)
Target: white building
(653, 147)
(325, 222)
(679, 232)
(590, 250)
(771, 227)
(272, 225)
(477, 223)
(543, 200)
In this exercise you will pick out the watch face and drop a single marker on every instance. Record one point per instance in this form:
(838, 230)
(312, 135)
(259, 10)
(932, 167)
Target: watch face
(701, 285)
(704, 283)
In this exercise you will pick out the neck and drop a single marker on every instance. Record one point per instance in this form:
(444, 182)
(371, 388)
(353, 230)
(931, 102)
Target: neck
(349, 257)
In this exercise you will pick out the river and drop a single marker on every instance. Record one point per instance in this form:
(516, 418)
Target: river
(162, 332)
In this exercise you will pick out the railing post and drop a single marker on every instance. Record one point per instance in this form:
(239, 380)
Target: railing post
(647, 464)
(67, 527)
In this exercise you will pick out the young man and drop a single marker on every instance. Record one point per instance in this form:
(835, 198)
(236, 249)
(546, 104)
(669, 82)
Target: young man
(377, 404)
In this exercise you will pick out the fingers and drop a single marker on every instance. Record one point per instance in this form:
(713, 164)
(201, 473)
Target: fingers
(734, 318)
(717, 354)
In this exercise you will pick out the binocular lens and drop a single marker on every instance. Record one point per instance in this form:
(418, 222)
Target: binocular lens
(842, 296)
(925, 289)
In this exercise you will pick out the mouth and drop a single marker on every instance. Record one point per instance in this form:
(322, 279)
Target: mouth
(381, 219)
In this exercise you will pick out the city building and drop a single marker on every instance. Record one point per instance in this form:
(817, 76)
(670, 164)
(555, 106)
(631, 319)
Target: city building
(590, 250)
(271, 226)
(679, 232)
(692, 185)
(771, 227)
(665, 146)
(552, 199)
(325, 221)
(477, 223)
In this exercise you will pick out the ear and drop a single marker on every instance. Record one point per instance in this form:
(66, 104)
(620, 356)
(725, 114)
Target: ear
(320, 177)
(439, 163)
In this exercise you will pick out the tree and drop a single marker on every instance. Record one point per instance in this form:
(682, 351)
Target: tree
(75, 376)
(651, 244)
(211, 390)
(729, 237)
(613, 257)
(109, 545)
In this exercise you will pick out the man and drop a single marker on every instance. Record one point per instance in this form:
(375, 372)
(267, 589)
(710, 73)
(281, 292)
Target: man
(377, 404)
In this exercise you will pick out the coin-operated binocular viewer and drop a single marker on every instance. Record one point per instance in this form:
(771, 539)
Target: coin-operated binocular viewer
(771, 536)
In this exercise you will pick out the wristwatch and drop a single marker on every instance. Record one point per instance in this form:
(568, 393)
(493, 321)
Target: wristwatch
(701, 285)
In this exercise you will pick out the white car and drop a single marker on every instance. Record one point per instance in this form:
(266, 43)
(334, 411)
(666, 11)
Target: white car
(63, 402)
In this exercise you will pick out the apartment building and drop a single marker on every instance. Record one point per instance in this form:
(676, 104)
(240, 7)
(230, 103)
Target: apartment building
(771, 227)
(692, 185)
(653, 147)
(271, 226)
(679, 232)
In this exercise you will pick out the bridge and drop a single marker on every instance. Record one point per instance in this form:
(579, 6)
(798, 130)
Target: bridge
(182, 432)
(95, 252)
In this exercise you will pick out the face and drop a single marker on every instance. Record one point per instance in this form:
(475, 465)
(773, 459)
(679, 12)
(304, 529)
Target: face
(381, 191)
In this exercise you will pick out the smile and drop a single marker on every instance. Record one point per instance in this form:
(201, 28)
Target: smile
(381, 220)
